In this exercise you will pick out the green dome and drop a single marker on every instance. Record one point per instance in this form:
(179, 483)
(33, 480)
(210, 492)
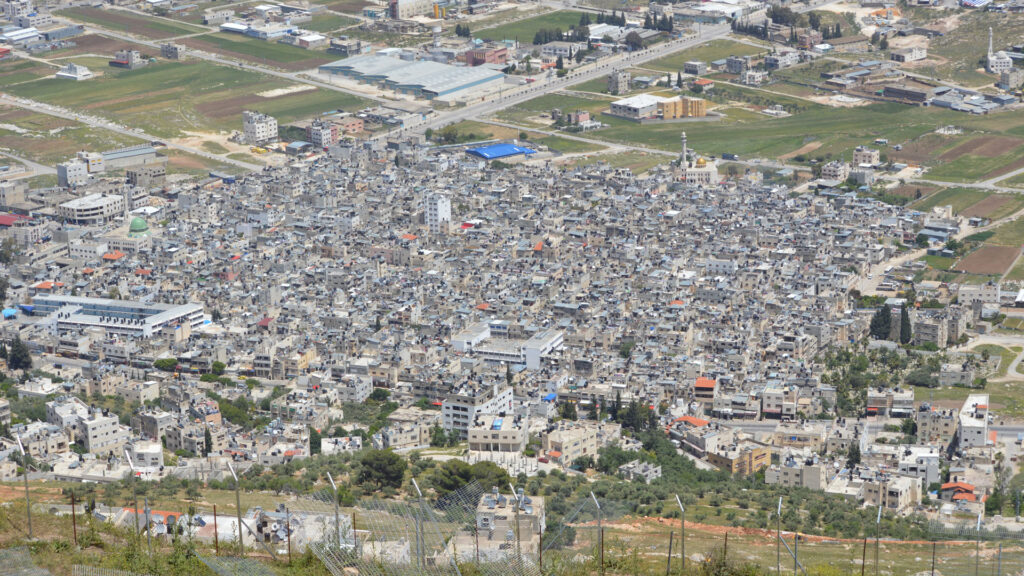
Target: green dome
(138, 226)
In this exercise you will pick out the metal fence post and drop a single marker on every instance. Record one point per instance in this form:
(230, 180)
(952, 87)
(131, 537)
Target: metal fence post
(878, 535)
(933, 558)
(668, 566)
(28, 501)
(682, 535)
(600, 534)
(216, 536)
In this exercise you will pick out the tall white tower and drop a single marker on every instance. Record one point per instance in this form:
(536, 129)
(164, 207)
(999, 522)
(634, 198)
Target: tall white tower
(439, 213)
(682, 153)
(989, 42)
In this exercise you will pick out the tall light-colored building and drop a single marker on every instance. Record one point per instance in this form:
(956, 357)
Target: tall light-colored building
(460, 409)
(439, 213)
(973, 425)
(618, 82)
(258, 128)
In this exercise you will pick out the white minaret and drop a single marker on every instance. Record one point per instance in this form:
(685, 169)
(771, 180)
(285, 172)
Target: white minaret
(682, 155)
(989, 42)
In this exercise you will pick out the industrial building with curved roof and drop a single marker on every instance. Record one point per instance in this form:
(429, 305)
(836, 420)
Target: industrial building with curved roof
(419, 78)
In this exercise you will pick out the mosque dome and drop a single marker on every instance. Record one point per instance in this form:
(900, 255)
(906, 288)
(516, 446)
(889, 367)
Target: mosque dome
(138, 227)
(701, 162)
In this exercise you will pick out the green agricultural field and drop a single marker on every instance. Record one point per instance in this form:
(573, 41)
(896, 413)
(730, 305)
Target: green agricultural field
(329, 22)
(714, 50)
(15, 71)
(958, 198)
(525, 29)
(939, 262)
(44, 148)
(970, 168)
(1009, 234)
(119, 20)
(165, 99)
(258, 51)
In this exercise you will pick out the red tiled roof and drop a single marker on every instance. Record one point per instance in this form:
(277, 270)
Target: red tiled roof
(554, 454)
(970, 497)
(704, 383)
(265, 322)
(409, 236)
(957, 486)
(483, 306)
(115, 255)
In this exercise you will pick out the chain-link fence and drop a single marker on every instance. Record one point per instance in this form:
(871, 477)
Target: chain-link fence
(505, 532)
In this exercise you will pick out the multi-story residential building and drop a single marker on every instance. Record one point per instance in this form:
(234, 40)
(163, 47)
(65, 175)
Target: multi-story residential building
(895, 493)
(618, 82)
(460, 408)
(972, 429)
(794, 435)
(798, 469)
(836, 170)
(498, 433)
(322, 133)
(258, 128)
(438, 213)
(742, 458)
(102, 434)
(862, 155)
(937, 426)
(567, 440)
(92, 209)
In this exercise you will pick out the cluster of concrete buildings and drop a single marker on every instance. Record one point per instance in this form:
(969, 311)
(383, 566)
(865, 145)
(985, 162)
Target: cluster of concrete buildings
(485, 301)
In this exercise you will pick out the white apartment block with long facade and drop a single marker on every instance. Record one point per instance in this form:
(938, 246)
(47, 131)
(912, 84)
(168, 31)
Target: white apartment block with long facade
(461, 408)
(92, 209)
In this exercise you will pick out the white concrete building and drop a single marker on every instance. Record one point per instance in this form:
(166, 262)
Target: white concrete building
(461, 408)
(72, 71)
(973, 426)
(258, 128)
(438, 213)
(92, 209)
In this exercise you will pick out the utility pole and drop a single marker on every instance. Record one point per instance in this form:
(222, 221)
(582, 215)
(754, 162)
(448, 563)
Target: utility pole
(337, 517)
(238, 510)
(74, 518)
(28, 501)
(682, 535)
(216, 537)
(600, 534)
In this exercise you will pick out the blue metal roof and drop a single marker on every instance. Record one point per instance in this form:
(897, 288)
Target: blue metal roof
(550, 397)
(499, 151)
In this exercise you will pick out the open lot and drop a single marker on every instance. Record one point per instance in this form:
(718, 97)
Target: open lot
(167, 98)
(258, 51)
(17, 71)
(525, 29)
(97, 44)
(955, 56)
(979, 159)
(151, 27)
(1009, 234)
(989, 260)
(48, 139)
(714, 50)
(327, 22)
(959, 198)
(995, 206)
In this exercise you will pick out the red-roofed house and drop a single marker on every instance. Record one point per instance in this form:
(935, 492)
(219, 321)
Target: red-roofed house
(957, 491)
(704, 389)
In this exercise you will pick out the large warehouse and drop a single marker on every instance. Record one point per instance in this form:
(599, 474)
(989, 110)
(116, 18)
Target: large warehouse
(419, 78)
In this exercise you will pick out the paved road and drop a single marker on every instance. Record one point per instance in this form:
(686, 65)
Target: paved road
(33, 167)
(108, 125)
(550, 83)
